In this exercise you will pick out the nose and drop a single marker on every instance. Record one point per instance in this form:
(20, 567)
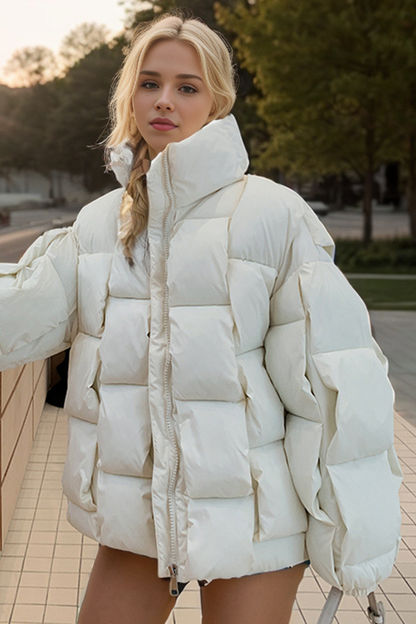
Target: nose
(164, 101)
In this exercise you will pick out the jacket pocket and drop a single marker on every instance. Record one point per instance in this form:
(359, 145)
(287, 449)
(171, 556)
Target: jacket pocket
(124, 431)
(93, 276)
(80, 463)
(280, 512)
(82, 399)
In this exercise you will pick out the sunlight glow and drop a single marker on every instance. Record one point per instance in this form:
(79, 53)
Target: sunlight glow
(32, 23)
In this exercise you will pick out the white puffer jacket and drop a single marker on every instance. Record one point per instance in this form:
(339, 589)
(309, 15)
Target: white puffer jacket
(226, 398)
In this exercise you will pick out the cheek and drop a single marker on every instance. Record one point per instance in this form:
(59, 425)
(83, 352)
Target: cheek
(143, 100)
(199, 114)
(138, 102)
(140, 111)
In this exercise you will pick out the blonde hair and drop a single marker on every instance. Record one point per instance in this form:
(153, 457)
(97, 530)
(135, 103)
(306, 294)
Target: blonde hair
(216, 62)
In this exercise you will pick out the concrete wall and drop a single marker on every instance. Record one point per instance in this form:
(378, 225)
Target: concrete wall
(22, 397)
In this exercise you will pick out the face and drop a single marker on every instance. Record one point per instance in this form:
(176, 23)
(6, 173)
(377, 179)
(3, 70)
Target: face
(172, 100)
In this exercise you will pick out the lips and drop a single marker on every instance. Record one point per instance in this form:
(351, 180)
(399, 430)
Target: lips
(161, 123)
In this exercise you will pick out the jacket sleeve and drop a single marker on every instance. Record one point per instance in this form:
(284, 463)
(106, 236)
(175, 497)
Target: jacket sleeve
(38, 300)
(332, 378)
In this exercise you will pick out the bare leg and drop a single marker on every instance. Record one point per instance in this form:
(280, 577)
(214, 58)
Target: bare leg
(125, 588)
(265, 598)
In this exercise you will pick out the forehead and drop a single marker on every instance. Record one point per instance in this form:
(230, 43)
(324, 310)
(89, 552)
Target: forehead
(172, 54)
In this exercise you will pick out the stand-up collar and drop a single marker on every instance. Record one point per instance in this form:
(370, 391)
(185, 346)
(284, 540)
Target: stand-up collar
(206, 161)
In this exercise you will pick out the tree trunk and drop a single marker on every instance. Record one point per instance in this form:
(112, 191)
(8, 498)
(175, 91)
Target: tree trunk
(368, 207)
(411, 186)
(51, 185)
(60, 191)
(369, 186)
(339, 190)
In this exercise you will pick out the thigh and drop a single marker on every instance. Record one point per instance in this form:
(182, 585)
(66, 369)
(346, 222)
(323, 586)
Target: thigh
(124, 587)
(265, 598)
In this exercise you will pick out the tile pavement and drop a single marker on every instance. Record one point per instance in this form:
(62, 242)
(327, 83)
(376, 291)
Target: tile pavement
(45, 564)
(395, 331)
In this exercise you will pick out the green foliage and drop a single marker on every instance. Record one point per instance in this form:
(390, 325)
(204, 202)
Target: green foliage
(381, 256)
(329, 73)
(81, 116)
(81, 41)
(53, 125)
(386, 294)
(204, 9)
(28, 142)
(135, 13)
(9, 99)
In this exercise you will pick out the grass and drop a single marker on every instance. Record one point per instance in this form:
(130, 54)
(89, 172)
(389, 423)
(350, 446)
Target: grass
(396, 255)
(386, 294)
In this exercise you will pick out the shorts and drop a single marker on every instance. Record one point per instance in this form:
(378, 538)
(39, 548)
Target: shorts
(181, 586)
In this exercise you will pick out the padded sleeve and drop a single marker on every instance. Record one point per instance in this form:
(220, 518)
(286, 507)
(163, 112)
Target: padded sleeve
(38, 299)
(332, 378)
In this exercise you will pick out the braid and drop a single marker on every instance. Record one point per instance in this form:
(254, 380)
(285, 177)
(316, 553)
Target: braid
(134, 209)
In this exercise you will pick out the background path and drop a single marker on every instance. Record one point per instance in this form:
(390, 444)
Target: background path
(395, 332)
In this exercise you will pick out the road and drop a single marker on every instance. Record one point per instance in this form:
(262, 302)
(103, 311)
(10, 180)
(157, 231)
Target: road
(26, 226)
(348, 223)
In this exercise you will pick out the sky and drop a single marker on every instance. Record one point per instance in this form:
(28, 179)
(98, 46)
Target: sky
(46, 22)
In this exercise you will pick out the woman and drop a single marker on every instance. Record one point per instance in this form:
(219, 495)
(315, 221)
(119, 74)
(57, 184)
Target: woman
(230, 415)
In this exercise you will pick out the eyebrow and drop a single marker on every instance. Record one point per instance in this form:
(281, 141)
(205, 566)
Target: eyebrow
(183, 76)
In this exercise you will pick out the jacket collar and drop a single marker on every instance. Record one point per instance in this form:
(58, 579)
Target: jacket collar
(203, 163)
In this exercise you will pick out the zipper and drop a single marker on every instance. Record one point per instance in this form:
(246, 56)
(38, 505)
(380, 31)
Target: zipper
(173, 583)
(173, 567)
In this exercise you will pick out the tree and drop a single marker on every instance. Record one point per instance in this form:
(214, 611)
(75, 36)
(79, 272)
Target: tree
(81, 41)
(138, 11)
(25, 130)
(54, 125)
(325, 71)
(403, 105)
(31, 65)
(9, 129)
(29, 143)
(81, 117)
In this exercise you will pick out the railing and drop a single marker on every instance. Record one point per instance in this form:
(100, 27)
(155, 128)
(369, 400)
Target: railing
(22, 397)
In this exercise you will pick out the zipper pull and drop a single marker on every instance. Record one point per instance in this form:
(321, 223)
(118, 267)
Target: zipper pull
(173, 583)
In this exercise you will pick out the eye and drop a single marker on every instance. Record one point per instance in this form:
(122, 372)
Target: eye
(148, 84)
(191, 89)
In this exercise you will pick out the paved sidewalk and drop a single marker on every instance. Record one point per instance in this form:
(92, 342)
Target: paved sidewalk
(395, 332)
(45, 564)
